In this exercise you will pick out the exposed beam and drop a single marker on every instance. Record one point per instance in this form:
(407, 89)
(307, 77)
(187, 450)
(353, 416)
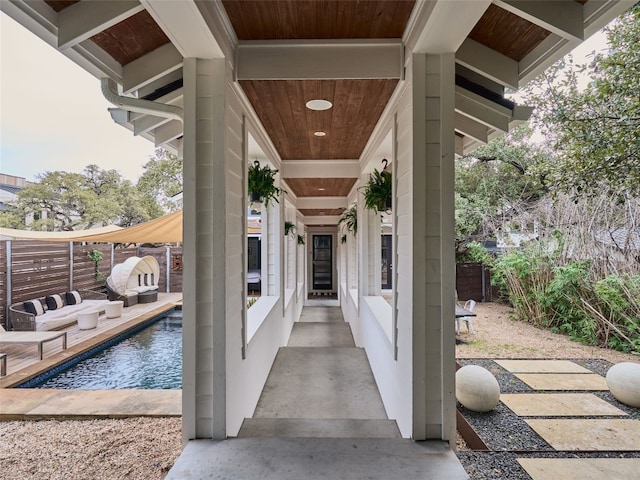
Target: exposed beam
(445, 25)
(146, 69)
(287, 60)
(489, 63)
(322, 220)
(471, 128)
(168, 132)
(565, 19)
(482, 110)
(83, 20)
(306, 203)
(146, 123)
(183, 23)
(320, 169)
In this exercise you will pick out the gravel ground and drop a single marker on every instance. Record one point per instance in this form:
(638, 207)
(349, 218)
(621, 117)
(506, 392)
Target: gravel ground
(132, 449)
(146, 449)
(506, 435)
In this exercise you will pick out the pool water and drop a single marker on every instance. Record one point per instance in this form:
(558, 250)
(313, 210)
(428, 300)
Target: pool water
(149, 359)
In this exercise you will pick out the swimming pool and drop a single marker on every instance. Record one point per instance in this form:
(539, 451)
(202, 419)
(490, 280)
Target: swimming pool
(148, 359)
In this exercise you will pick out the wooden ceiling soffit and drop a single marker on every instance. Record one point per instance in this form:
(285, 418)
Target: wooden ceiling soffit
(83, 20)
(321, 187)
(357, 106)
(310, 60)
(565, 19)
(319, 19)
(132, 38)
(507, 33)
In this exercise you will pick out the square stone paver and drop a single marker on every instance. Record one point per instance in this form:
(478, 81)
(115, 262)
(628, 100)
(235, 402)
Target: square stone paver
(589, 434)
(564, 381)
(541, 366)
(580, 468)
(558, 404)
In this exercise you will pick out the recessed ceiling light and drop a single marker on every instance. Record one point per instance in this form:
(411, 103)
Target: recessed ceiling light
(319, 105)
(320, 213)
(320, 134)
(321, 189)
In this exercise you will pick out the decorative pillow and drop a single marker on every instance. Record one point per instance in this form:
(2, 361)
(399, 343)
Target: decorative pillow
(73, 298)
(54, 302)
(34, 307)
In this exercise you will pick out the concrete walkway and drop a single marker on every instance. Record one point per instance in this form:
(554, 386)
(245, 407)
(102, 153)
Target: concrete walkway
(320, 416)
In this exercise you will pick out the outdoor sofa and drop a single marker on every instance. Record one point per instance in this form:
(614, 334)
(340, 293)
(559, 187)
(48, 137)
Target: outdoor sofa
(56, 311)
(134, 281)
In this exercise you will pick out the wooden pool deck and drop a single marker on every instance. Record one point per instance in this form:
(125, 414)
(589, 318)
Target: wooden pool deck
(23, 363)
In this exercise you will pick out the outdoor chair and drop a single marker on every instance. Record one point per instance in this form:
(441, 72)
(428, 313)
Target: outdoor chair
(469, 305)
(38, 338)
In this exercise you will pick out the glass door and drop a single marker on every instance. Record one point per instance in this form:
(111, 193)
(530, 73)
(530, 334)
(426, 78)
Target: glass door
(386, 279)
(322, 255)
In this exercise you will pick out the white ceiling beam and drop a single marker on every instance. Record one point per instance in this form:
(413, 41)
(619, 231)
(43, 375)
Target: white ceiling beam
(471, 128)
(321, 220)
(459, 146)
(147, 123)
(444, 25)
(287, 60)
(321, 202)
(183, 23)
(482, 110)
(83, 20)
(565, 19)
(320, 169)
(489, 63)
(168, 132)
(162, 61)
(159, 83)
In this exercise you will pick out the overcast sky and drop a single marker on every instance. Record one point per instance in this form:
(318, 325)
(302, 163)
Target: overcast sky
(53, 115)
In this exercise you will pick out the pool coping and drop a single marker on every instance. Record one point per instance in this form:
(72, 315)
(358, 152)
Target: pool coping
(26, 403)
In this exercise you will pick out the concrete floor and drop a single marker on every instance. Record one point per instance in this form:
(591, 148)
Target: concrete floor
(320, 416)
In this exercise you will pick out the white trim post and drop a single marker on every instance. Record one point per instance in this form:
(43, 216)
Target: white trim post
(433, 247)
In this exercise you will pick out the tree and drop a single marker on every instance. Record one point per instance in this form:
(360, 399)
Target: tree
(161, 180)
(594, 129)
(73, 201)
(496, 183)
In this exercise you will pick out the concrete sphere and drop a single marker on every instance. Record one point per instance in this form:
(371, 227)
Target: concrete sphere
(623, 380)
(477, 389)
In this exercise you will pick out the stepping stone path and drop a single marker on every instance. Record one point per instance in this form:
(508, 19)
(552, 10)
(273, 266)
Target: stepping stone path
(568, 432)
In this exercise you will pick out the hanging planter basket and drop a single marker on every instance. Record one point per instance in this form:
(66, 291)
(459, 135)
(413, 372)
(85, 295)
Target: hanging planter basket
(377, 192)
(261, 183)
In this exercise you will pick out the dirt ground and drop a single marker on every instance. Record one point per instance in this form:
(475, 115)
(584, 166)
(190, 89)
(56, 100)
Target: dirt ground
(498, 336)
(146, 448)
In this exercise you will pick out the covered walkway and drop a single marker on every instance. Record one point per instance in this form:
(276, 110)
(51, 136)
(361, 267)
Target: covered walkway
(320, 416)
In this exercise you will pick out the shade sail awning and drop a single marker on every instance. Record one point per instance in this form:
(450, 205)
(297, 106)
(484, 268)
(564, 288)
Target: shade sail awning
(13, 234)
(166, 229)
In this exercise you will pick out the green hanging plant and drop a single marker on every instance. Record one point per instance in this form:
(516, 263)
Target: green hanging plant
(349, 219)
(343, 238)
(261, 184)
(289, 228)
(377, 192)
(300, 239)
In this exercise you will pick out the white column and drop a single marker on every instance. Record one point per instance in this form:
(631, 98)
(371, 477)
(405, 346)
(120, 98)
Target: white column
(205, 226)
(433, 247)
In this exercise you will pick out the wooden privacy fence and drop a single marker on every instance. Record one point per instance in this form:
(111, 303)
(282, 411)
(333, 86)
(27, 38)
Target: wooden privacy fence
(473, 282)
(31, 269)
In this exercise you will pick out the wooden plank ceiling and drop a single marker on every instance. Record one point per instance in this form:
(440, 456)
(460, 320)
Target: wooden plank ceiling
(280, 104)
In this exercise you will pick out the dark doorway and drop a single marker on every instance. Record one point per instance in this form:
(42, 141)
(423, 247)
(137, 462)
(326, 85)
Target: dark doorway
(386, 278)
(322, 255)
